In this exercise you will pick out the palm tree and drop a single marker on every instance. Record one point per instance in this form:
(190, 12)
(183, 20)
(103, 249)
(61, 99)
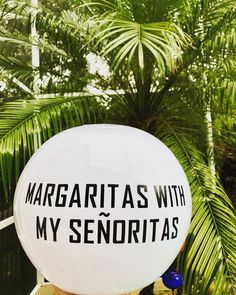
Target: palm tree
(173, 61)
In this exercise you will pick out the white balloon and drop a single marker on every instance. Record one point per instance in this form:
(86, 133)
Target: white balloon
(102, 209)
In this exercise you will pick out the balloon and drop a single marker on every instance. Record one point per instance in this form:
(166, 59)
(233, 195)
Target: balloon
(172, 279)
(102, 209)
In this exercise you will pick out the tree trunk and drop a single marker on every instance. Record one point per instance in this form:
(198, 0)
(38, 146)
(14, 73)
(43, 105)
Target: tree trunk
(210, 140)
(34, 48)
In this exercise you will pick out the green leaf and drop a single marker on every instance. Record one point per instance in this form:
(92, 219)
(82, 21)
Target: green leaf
(210, 254)
(131, 41)
(26, 124)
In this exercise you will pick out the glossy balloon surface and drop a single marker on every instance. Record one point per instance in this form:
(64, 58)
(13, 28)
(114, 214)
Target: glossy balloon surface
(172, 279)
(102, 209)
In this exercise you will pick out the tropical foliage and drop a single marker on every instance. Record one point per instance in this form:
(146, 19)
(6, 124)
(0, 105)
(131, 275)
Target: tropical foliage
(61, 67)
(25, 124)
(172, 64)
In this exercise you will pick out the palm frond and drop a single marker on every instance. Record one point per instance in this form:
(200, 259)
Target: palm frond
(154, 11)
(12, 10)
(210, 253)
(25, 124)
(223, 41)
(130, 40)
(18, 38)
(216, 10)
(201, 16)
(64, 31)
(16, 68)
(164, 41)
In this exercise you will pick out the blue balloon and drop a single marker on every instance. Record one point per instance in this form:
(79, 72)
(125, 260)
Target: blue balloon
(172, 279)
